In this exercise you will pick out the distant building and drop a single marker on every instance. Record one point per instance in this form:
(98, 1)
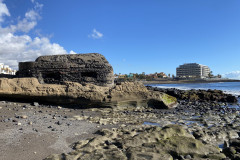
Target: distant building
(156, 76)
(122, 76)
(5, 69)
(161, 75)
(130, 75)
(192, 70)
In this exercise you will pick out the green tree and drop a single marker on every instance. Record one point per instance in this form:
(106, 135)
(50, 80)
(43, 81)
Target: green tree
(210, 74)
(219, 76)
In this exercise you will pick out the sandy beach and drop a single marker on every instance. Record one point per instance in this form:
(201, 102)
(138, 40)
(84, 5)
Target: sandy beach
(34, 132)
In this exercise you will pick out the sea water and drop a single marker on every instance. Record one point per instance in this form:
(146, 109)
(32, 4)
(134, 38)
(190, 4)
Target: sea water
(226, 87)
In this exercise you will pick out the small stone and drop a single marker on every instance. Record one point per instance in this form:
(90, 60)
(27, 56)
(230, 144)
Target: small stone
(59, 107)
(59, 123)
(35, 152)
(0, 107)
(34, 129)
(36, 104)
(188, 157)
(123, 125)
(25, 106)
(24, 117)
(30, 123)
(19, 124)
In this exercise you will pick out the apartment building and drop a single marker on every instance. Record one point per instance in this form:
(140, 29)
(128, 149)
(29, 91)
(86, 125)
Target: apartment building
(192, 70)
(5, 69)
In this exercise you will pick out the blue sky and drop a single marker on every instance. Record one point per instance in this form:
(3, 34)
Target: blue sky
(135, 36)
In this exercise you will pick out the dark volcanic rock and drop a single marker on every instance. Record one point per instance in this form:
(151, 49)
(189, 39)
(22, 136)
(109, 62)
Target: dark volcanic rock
(197, 95)
(233, 150)
(83, 68)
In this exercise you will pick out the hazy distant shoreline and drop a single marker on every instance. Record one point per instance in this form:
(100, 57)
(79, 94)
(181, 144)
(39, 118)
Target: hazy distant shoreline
(188, 81)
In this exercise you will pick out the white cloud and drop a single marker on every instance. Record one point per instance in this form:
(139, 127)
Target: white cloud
(95, 34)
(232, 75)
(22, 47)
(3, 11)
(72, 52)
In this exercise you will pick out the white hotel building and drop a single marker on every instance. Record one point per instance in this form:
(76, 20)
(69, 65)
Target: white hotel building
(5, 69)
(192, 70)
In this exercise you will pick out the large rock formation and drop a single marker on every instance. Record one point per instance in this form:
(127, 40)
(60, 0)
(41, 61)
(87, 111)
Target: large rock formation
(83, 68)
(29, 89)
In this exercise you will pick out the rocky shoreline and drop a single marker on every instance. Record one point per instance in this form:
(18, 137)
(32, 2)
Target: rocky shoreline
(197, 95)
(203, 127)
(188, 81)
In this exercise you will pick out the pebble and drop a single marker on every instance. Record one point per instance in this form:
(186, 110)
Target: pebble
(36, 104)
(69, 124)
(188, 157)
(24, 117)
(34, 129)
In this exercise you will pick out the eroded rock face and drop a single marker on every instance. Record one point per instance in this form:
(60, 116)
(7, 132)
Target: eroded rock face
(129, 143)
(29, 89)
(83, 68)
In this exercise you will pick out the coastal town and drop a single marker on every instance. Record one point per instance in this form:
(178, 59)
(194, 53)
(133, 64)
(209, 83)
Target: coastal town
(187, 71)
